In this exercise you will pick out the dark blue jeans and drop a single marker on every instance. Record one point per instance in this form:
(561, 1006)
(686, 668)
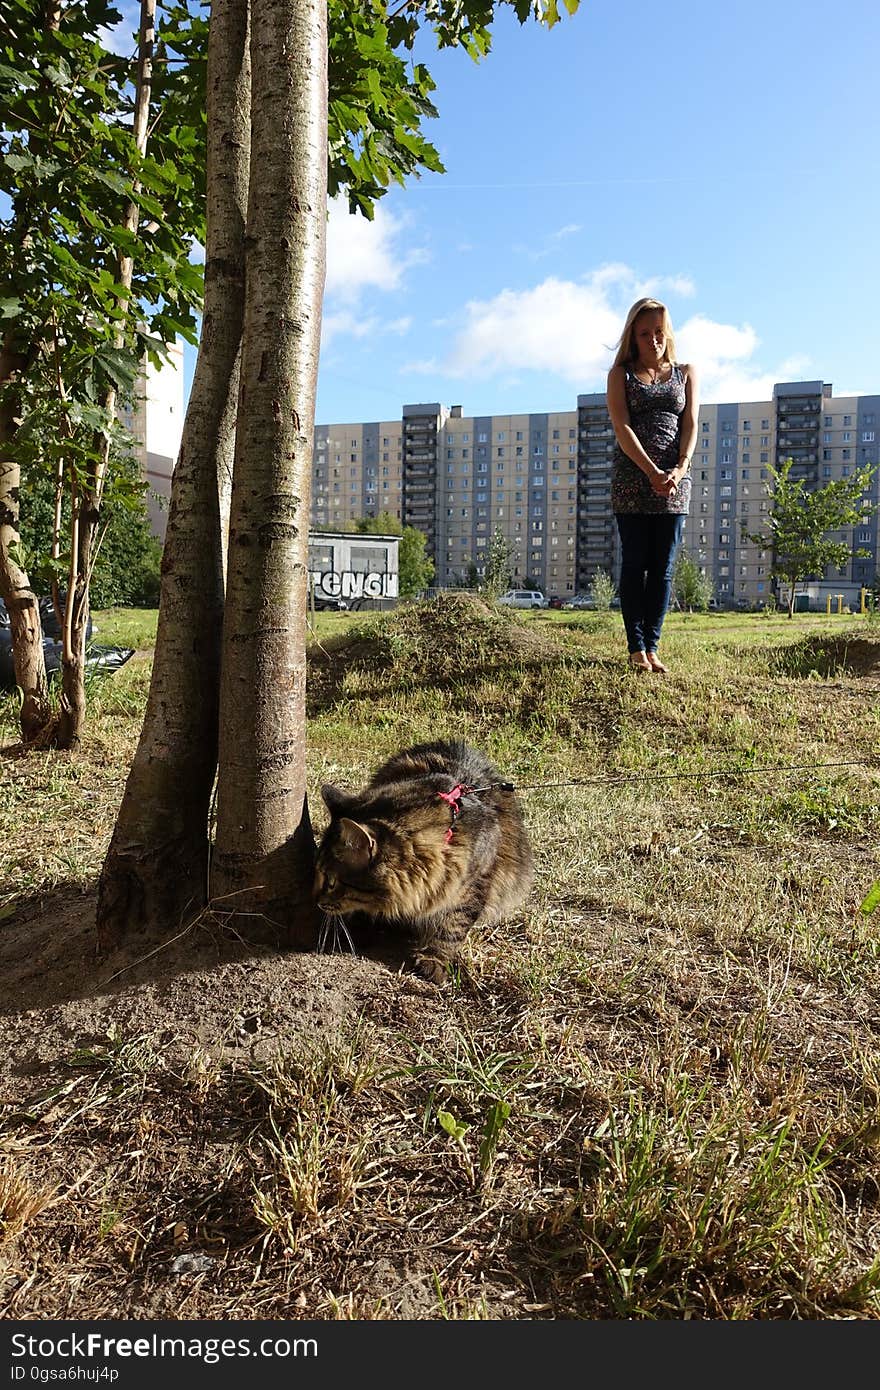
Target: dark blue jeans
(648, 546)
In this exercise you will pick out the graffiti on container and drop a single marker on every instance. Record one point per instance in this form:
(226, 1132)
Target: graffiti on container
(348, 585)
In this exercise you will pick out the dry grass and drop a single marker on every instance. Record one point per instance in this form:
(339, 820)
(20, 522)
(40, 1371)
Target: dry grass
(655, 1094)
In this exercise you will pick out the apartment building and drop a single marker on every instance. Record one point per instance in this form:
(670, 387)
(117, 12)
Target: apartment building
(544, 480)
(155, 421)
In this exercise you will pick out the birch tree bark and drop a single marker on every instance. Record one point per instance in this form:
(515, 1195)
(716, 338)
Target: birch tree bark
(156, 869)
(264, 847)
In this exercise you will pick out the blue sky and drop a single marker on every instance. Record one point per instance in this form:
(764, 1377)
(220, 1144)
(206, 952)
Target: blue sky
(723, 157)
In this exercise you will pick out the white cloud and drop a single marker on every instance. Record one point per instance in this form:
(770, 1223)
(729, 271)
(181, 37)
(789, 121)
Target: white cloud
(364, 255)
(558, 326)
(723, 353)
(344, 323)
(570, 329)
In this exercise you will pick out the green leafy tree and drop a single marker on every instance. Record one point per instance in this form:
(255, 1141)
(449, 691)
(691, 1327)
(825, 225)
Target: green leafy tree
(602, 591)
(95, 254)
(691, 588)
(416, 568)
(126, 569)
(801, 519)
(496, 576)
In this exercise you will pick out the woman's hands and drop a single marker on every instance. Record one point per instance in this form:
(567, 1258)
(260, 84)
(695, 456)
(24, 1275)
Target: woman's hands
(666, 484)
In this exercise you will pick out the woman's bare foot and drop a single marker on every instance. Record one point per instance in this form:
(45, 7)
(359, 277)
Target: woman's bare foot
(639, 662)
(654, 662)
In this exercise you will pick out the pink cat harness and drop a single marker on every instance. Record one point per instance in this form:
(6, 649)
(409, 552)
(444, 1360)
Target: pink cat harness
(453, 801)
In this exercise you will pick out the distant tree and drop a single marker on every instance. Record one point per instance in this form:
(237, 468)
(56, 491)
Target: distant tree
(382, 525)
(602, 590)
(126, 569)
(530, 582)
(496, 576)
(416, 569)
(800, 522)
(472, 576)
(691, 588)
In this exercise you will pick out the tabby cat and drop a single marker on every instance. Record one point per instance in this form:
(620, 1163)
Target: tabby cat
(433, 844)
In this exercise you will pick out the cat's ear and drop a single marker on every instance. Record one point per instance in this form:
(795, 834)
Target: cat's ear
(336, 799)
(357, 842)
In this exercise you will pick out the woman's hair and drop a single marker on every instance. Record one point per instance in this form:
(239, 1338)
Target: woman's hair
(626, 348)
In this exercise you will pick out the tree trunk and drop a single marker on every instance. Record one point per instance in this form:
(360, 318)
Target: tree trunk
(26, 631)
(264, 847)
(156, 870)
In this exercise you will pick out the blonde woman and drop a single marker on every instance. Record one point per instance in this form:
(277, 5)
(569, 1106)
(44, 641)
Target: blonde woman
(653, 403)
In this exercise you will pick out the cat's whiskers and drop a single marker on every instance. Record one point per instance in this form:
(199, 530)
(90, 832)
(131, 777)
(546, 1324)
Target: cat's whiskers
(331, 933)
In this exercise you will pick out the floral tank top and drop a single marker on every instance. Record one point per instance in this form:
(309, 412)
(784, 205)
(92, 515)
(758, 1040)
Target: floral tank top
(655, 415)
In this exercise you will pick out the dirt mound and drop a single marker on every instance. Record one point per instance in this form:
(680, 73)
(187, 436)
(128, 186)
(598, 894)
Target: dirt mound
(456, 634)
(829, 656)
(205, 988)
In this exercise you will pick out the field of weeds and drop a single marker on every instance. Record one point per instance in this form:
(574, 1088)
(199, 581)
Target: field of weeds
(654, 1094)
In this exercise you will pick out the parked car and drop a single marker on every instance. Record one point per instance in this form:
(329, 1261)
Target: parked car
(523, 598)
(581, 601)
(330, 605)
(554, 601)
(110, 658)
(50, 622)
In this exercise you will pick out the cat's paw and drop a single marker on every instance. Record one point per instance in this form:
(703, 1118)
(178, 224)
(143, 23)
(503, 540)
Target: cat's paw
(433, 968)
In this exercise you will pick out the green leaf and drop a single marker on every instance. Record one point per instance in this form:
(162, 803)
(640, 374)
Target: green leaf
(871, 901)
(453, 1128)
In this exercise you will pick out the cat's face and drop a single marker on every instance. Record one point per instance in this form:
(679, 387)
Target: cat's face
(345, 877)
(346, 868)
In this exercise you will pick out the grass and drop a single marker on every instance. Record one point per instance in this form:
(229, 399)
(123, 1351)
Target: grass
(654, 1094)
